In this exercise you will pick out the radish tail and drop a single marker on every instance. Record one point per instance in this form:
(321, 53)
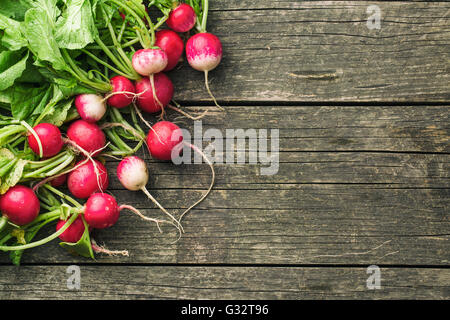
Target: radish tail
(210, 93)
(196, 149)
(179, 226)
(152, 83)
(102, 249)
(187, 115)
(137, 212)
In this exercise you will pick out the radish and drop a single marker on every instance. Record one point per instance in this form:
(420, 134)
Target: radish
(59, 180)
(145, 95)
(182, 18)
(20, 205)
(165, 141)
(102, 211)
(46, 136)
(123, 92)
(74, 232)
(90, 107)
(204, 53)
(133, 174)
(87, 178)
(87, 136)
(149, 61)
(172, 45)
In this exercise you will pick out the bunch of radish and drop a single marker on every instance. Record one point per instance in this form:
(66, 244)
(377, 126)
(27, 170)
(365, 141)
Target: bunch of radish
(120, 76)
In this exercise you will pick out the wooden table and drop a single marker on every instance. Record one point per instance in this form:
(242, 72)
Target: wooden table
(363, 180)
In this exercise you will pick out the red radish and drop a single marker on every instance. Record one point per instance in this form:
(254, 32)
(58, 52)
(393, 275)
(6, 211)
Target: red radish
(20, 205)
(164, 140)
(164, 93)
(87, 135)
(123, 92)
(87, 179)
(90, 107)
(172, 45)
(204, 53)
(101, 211)
(149, 61)
(49, 137)
(74, 232)
(182, 18)
(133, 174)
(59, 181)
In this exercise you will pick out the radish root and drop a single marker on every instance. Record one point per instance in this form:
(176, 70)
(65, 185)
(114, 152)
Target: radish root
(89, 156)
(210, 93)
(102, 249)
(196, 149)
(187, 115)
(179, 226)
(35, 135)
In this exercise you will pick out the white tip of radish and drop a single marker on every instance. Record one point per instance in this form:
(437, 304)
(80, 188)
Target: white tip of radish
(149, 61)
(90, 107)
(204, 62)
(132, 173)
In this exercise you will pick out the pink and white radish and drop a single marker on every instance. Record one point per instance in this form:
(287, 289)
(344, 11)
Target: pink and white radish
(146, 99)
(182, 18)
(90, 107)
(87, 178)
(123, 92)
(87, 136)
(173, 46)
(165, 141)
(45, 137)
(204, 53)
(133, 175)
(20, 205)
(149, 61)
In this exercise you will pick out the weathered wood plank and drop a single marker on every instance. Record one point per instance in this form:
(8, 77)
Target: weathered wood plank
(194, 282)
(324, 51)
(336, 128)
(329, 224)
(295, 169)
(389, 205)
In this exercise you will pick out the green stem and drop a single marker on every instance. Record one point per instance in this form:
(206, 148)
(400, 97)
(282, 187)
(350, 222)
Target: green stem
(82, 77)
(61, 166)
(3, 222)
(119, 49)
(63, 195)
(45, 240)
(39, 164)
(205, 6)
(94, 57)
(111, 55)
(37, 173)
(117, 140)
(138, 19)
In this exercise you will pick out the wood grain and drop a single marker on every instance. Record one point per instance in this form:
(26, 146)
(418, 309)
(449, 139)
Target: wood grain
(233, 283)
(323, 51)
(346, 207)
